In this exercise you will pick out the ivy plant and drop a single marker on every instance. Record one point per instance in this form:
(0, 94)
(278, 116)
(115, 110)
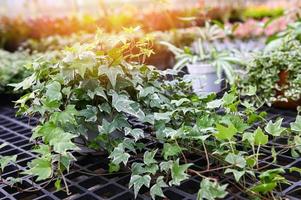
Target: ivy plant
(91, 96)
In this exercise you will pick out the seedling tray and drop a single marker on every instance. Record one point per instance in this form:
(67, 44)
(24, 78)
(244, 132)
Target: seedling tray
(88, 177)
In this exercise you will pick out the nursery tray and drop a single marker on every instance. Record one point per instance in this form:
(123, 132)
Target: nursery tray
(16, 131)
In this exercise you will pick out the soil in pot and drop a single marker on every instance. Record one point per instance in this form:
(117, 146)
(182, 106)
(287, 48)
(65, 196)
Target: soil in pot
(290, 104)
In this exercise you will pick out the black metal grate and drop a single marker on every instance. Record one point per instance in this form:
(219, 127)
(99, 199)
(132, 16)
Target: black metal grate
(16, 131)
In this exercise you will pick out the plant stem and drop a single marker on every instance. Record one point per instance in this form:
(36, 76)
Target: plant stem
(206, 154)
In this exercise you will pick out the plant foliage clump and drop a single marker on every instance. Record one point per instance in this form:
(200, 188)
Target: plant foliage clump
(91, 95)
(274, 75)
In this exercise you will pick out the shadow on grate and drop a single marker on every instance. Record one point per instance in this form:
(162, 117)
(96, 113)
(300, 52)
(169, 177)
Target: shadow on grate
(85, 185)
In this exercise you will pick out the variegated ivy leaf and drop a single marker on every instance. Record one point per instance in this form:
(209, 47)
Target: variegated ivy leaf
(12, 181)
(211, 190)
(296, 126)
(163, 116)
(122, 103)
(93, 88)
(90, 113)
(156, 189)
(215, 103)
(62, 142)
(165, 165)
(274, 129)
(26, 83)
(85, 60)
(40, 167)
(179, 102)
(66, 116)
(137, 133)
(53, 91)
(111, 73)
(5, 160)
(138, 181)
(237, 174)
(148, 157)
(119, 155)
(178, 173)
(236, 160)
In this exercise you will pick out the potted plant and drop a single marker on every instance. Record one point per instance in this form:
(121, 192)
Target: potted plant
(206, 65)
(273, 75)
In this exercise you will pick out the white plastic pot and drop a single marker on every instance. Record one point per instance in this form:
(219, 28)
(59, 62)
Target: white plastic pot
(204, 78)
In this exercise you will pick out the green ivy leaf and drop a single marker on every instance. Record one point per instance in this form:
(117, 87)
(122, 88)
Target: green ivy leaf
(138, 181)
(229, 98)
(274, 129)
(264, 187)
(178, 173)
(113, 167)
(211, 190)
(225, 133)
(57, 184)
(259, 137)
(170, 150)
